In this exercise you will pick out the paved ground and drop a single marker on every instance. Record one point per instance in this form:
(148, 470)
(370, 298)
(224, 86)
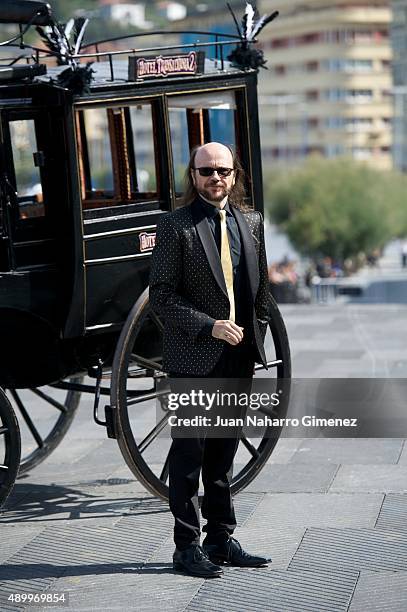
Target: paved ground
(331, 513)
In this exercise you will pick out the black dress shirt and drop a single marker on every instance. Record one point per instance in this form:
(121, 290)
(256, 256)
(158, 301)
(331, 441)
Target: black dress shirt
(240, 285)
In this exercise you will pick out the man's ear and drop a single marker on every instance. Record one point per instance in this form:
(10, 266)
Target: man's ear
(193, 177)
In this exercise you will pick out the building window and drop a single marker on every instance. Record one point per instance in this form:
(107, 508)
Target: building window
(333, 150)
(358, 124)
(312, 94)
(312, 66)
(313, 122)
(334, 123)
(359, 95)
(334, 95)
(349, 65)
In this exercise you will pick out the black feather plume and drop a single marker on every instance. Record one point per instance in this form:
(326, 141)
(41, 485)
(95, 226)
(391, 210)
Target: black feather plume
(244, 55)
(247, 57)
(77, 79)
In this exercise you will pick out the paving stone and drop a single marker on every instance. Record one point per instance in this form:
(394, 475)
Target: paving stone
(370, 479)
(393, 513)
(275, 591)
(301, 510)
(279, 544)
(348, 451)
(380, 592)
(14, 537)
(90, 550)
(150, 589)
(351, 550)
(275, 478)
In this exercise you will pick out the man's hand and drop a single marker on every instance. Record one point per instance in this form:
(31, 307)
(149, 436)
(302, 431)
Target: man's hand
(228, 331)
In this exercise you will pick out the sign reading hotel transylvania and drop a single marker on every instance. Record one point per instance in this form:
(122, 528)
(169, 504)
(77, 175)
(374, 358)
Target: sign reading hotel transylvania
(182, 64)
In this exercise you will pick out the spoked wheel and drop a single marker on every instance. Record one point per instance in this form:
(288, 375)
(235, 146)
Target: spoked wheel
(9, 447)
(137, 368)
(45, 415)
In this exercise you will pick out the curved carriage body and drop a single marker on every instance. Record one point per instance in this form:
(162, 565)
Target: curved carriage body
(85, 177)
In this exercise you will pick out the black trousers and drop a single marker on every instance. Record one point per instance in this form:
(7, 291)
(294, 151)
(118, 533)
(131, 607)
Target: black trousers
(214, 456)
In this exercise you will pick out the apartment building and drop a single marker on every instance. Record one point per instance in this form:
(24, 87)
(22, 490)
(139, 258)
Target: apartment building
(329, 86)
(399, 45)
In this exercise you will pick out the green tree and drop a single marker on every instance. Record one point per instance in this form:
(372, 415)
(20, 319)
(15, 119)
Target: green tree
(337, 208)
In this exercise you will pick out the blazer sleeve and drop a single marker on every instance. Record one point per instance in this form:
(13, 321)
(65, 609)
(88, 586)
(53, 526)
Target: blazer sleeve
(263, 297)
(165, 281)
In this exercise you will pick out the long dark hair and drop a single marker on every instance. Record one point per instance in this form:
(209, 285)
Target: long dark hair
(237, 193)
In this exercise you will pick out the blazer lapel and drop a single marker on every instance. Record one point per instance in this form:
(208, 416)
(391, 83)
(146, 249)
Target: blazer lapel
(209, 244)
(249, 250)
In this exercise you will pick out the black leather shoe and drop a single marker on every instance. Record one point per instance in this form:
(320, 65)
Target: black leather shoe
(231, 553)
(193, 561)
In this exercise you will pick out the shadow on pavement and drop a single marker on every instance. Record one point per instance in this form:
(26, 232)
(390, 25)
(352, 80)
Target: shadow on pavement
(47, 570)
(55, 502)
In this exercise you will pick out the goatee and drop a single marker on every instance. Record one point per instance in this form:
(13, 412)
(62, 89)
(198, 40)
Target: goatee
(209, 196)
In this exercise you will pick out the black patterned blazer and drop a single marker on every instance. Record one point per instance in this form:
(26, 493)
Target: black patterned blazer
(187, 287)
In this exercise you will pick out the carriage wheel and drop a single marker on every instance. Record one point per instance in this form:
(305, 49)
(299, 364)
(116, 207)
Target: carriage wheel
(9, 447)
(45, 415)
(138, 359)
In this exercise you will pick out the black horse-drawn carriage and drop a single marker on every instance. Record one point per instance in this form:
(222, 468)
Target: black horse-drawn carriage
(89, 163)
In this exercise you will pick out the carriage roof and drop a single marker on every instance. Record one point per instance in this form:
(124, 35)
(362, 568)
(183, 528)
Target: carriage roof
(111, 70)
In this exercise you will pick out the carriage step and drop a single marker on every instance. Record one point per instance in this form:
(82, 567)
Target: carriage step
(110, 422)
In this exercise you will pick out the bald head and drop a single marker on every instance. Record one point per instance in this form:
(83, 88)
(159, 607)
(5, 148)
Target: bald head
(213, 187)
(213, 154)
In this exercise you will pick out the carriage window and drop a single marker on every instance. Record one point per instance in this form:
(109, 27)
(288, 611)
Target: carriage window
(27, 173)
(142, 126)
(196, 119)
(116, 151)
(96, 127)
(180, 145)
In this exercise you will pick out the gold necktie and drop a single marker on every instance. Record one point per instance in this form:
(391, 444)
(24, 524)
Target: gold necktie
(226, 261)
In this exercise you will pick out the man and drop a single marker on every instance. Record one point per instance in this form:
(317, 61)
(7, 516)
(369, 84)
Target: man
(209, 282)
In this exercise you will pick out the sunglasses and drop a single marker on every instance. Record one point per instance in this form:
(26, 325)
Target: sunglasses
(206, 171)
